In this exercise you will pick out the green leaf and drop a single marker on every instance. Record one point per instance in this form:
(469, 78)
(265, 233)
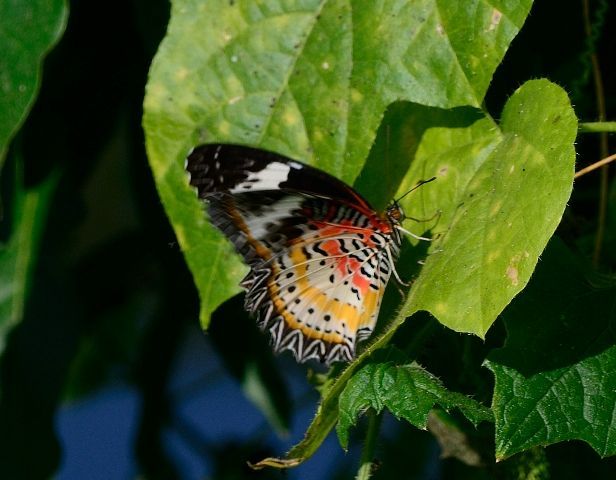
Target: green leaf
(310, 79)
(556, 374)
(407, 391)
(28, 30)
(18, 255)
(502, 190)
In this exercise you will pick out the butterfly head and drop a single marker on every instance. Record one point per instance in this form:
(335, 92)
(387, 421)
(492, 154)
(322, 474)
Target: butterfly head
(395, 214)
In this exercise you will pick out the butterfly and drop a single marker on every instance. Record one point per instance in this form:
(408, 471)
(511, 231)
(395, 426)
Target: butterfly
(320, 256)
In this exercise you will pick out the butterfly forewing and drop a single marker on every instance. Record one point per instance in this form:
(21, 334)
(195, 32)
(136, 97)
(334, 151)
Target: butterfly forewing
(318, 253)
(236, 169)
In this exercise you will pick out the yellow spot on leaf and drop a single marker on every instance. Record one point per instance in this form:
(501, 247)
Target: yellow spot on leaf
(440, 308)
(356, 96)
(224, 127)
(496, 208)
(290, 117)
(493, 256)
(234, 85)
(157, 91)
(474, 185)
(182, 73)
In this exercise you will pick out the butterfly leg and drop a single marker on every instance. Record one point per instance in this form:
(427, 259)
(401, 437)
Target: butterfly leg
(393, 268)
(437, 215)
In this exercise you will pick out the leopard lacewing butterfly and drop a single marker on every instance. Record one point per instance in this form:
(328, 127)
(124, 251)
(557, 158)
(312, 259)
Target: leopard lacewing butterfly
(319, 255)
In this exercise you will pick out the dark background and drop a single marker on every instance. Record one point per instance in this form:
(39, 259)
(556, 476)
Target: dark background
(109, 374)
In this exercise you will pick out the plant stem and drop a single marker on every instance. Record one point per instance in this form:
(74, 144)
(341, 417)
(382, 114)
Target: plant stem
(366, 463)
(597, 127)
(603, 146)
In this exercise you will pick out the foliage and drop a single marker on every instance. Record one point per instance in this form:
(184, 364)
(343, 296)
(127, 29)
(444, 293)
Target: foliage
(20, 65)
(29, 30)
(502, 349)
(408, 391)
(287, 80)
(569, 391)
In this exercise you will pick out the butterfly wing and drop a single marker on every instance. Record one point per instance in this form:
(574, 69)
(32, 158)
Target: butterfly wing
(316, 249)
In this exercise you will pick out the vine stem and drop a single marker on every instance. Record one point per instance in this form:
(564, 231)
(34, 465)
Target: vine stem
(595, 165)
(603, 143)
(366, 462)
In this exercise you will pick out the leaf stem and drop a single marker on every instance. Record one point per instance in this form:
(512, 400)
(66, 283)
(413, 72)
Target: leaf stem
(366, 462)
(597, 127)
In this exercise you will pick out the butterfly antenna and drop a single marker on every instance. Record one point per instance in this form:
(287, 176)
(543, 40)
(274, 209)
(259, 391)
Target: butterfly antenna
(419, 184)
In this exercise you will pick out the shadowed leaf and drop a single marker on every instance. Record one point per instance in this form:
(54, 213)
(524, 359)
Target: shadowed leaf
(28, 30)
(556, 374)
(407, 391)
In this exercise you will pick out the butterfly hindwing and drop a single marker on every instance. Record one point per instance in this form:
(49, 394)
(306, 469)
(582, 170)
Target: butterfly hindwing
(317, 252)
(328, 288)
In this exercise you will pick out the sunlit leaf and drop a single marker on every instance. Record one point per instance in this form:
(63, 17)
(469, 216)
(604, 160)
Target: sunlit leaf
(501, 190)
(310, 79)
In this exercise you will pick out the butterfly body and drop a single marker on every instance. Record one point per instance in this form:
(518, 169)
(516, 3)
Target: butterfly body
(320, 257)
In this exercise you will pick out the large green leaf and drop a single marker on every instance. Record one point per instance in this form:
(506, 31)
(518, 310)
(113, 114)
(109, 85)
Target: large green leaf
(408, 391)
(310, 79)
(556, 374)
(28, 30)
